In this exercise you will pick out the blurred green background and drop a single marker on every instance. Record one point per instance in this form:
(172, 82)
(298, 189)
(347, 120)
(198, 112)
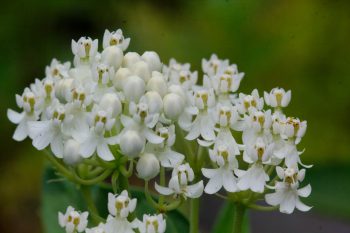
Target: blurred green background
(301, 45)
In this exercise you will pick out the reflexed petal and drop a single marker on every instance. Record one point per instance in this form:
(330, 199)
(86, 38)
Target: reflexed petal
(195, 131)
(104, 152)
(21, 132)
(61, 219)
(195, 190)
(301, 206)
(287, 205)
(210, 173)
(207, 128)
(280, 172)
(88, 147)
(163, 190)
(57, 147)
(14, 117)
(214, 184)
(152, 137)
(305, 191)
(274, 198)
(43, 140)
(204, 143)
(35, 128)
(229, 181)
(286, 98)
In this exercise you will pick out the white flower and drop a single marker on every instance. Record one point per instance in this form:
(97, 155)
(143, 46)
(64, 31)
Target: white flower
(143, 120)
(99, 229)
(178, 184)
(180, 74)
(147, 166)
(72, 220)
(222, 176)
(257, 124)
(293, 128)
(115, 38)
(119, 225)
(152, 224)
(120, 206)
(254, 178)
(203, 124)
(166, 156)
(29, 102)
(49, 132)
(95, 139)
(57, 70)
(227, 81)
(226, 118)
(261, 151)
(213, 65)
(277, 97)
(247, 102)
(288, 192)
(84, 50)
(102, 73)
(185, 78)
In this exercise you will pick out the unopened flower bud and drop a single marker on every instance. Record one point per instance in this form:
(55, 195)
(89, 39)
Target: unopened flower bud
(157, 83)
(112, 56)
(111, 103)
(71, 154)
(120, 78)
(148, 166)
(142, 70)
(153, 60)
(131, 143)
(154, 101)
(177, 89)
(134, 88)
(130, 59)
(63, 88)
(173, 106)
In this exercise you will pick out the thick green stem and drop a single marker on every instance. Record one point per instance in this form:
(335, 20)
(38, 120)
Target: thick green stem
(149, 198)
(162, 183)
(194, 215)
(114, 181)
(91, 205)
(238, 218)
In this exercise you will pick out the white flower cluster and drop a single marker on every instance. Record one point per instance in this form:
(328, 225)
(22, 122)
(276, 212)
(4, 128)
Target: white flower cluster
(116, 102)
(119, 207)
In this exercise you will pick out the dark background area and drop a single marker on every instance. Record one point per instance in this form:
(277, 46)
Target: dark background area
(301, 45)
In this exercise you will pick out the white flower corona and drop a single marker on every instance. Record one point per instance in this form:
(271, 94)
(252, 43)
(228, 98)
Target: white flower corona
(72, 220)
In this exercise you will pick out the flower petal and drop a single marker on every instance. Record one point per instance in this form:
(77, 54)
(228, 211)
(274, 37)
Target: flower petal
(195, 190)
(163, 190)
(104, 152)
(214, 184)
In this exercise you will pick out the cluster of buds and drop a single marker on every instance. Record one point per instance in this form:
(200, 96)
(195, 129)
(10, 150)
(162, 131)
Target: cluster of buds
(113, 104)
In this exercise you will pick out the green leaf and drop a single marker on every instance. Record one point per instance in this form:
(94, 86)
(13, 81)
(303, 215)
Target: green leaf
(59, 194)
(224, 221)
